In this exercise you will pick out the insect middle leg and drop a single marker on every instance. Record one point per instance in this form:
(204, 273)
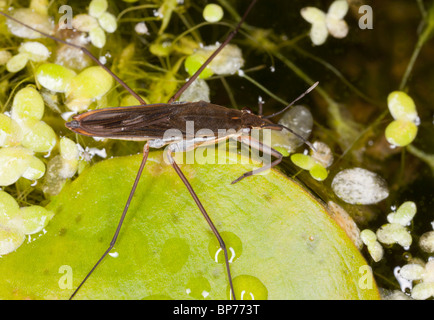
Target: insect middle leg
(205, 215)
(118, 228)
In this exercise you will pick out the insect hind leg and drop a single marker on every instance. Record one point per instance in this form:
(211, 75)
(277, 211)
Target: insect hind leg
(205, 215)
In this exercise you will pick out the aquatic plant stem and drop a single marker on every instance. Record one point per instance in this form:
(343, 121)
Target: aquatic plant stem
(260, 86)
(346, 128)
(424, 37)
(427, 158)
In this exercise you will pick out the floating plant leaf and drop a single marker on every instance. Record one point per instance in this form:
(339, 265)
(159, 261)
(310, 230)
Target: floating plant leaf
(212, 12)
(359, 186)
(300, 120)
(54, 77)
(426, 242)
(286, 246)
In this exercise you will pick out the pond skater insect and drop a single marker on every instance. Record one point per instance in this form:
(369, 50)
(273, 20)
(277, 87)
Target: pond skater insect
(149, 123)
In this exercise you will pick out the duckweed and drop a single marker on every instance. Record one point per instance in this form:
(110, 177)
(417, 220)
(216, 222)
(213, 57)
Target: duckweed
(107, 21)
(374, 247)
(306, 162)
(229, 61)
(401, 106)
(16, 222)
(97, 7)
(359, 186)
(34, 19)
(97, 37)
(5, 56)
(300, 120)
(213, 12)
(89, 85)
(10, 131)
(54, 77)
(403, 130)
(426, 242)
(39, 136)
(14, 161)
(423, 275)
(27, 104)
(394, 233)
(37, 51)
(404, 214)
(17, 62)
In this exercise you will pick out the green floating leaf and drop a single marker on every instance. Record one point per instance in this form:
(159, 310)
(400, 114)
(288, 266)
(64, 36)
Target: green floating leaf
(404, 214)
(54, 77)
(195, 61)
(28, 104)
(97, 7)
(108, 22)
(401, 106)
(10, 131)
(318, 172)
(281, 241)
(303, 161)
(212, 12)
(401, 132)
(90, 84)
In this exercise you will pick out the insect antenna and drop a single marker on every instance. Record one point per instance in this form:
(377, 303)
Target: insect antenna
(292, 103)
(297, 135)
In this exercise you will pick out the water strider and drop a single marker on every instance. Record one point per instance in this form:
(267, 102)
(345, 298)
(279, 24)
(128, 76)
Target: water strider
(150, 123)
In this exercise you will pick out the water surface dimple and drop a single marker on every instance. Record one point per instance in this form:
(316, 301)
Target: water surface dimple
(62, 231)
(174, 254)
(198, 287)
(233, 244)
(248, 287)
(312, 242)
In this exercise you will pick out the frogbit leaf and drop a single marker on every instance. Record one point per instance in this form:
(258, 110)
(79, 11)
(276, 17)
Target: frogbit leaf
(282, 242)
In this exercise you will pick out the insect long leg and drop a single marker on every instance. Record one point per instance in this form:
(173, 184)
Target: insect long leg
(85, 51)
(211, 57)
(206, 216)
(255, 144)
(115, 236)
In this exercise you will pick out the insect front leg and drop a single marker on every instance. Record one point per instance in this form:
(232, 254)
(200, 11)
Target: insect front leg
(255, 144)
(213, 55)
(203, 211)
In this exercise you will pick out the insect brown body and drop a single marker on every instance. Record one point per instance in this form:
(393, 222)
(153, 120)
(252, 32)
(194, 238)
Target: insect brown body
(150, 122)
